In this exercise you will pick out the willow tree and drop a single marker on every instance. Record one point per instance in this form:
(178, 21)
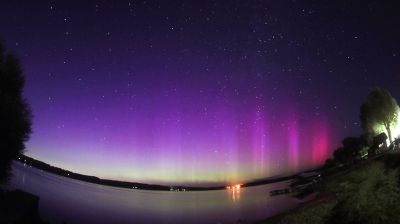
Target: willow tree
(15, 114)
(379, 109)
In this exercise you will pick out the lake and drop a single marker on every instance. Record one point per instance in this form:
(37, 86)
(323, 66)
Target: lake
(64, 200)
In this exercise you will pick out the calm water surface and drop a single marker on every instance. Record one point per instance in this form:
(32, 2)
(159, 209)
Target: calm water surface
(64, 200)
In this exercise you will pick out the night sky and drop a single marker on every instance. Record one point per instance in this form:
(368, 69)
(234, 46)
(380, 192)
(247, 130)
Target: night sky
(198, 91)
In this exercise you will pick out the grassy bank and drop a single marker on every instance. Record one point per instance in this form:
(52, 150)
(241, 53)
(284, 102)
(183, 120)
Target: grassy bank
(368, 192)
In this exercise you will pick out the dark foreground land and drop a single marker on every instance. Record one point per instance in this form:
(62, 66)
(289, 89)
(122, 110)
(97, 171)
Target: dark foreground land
(368, 192)
(19, 207)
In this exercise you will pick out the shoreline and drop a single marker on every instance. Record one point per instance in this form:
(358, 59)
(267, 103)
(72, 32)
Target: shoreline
(135, 185)
(343, 195)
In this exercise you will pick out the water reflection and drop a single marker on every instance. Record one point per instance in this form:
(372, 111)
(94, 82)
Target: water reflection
(234, 191)
(64, 200)
(236, 194)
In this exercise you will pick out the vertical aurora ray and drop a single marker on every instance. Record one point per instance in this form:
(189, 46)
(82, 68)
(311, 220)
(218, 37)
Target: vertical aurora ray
(293, 143)
(259, 141)
(226, 137)
(187, 105)
(320, 143)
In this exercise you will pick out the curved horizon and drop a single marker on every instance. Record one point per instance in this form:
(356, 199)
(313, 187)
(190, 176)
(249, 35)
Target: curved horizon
(192, 93)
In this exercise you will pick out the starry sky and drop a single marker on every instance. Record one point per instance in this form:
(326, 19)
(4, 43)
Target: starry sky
(198, 91)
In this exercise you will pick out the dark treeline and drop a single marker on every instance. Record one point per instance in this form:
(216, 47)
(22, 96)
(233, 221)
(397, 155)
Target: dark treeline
(15, 128)
(134, 185)
(114, 183)
(15, 113)
(379, 112)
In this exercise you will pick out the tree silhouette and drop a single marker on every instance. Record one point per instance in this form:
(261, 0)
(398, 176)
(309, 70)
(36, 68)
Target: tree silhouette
(350, 150)
(380, 108)
(15, 113)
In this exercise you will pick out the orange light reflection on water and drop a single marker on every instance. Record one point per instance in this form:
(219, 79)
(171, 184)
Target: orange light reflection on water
(234, 190)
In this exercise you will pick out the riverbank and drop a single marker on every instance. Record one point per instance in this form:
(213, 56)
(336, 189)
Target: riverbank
(368, 192)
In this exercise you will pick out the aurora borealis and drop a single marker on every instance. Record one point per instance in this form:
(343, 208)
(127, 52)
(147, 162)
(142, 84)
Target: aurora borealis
(198, 92)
